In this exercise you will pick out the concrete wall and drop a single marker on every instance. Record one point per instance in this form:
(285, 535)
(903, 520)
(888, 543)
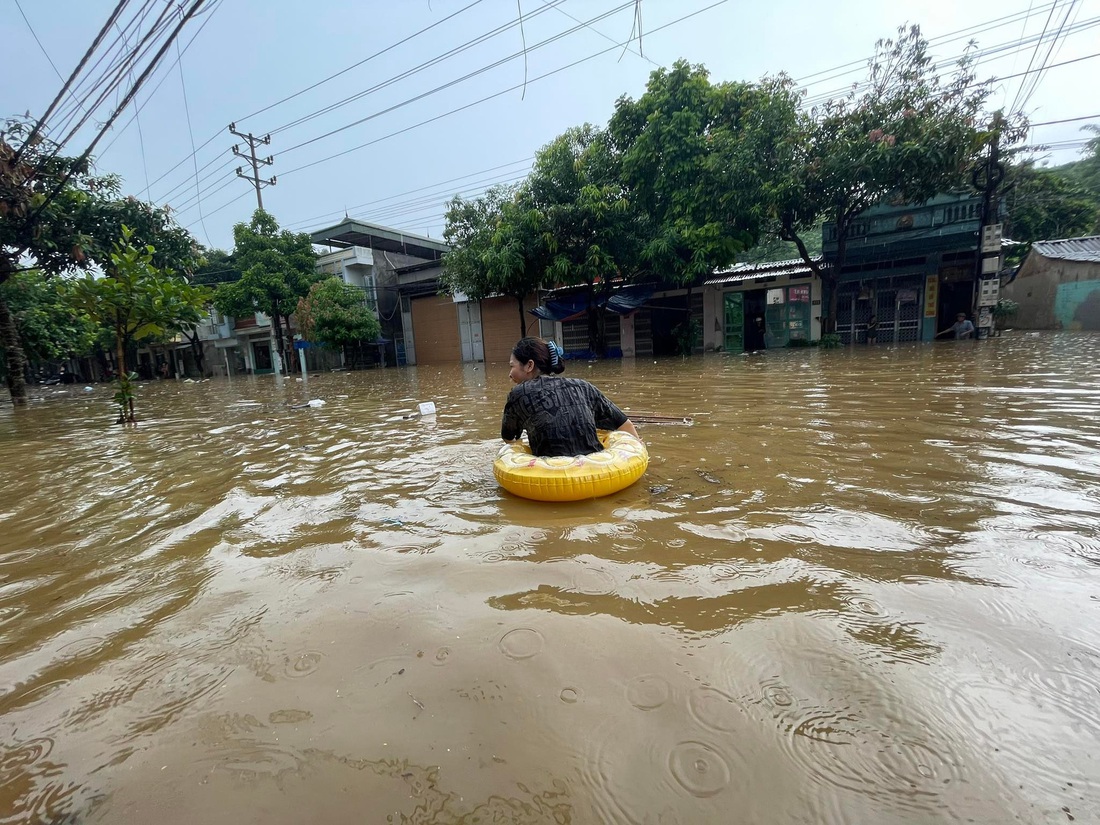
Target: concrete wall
(1056, 294)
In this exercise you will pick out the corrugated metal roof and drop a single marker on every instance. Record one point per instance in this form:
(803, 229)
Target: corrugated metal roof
(1070, 249)
(747, 272)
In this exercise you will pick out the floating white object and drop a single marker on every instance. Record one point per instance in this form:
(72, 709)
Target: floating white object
(89, 389)
(317, 402)
(427, 408)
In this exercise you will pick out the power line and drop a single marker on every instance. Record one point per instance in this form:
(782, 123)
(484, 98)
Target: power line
(1034, 54)
(601, 34)
(486, 98)
(496, 94)
(141, 137)
(442, 87)
(45, 53)
(1064, 120)
(191, 134)
(38, 126)
(425, 65)
(1046, 59)
(455, 82)
(209, 16)
(135, 87)
(984, 26)
(389, 48)
(982, 56)
(412, 191)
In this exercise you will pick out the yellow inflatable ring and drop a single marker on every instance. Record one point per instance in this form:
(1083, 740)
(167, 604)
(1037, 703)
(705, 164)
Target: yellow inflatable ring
(571, 478)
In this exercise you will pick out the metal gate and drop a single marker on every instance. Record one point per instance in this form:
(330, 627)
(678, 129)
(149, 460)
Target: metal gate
(895, 300)
(735, 322)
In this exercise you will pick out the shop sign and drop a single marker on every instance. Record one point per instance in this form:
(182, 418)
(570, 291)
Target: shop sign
(931, 295)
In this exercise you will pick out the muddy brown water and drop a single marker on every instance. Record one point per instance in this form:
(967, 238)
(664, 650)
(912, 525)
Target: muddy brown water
(863, 587)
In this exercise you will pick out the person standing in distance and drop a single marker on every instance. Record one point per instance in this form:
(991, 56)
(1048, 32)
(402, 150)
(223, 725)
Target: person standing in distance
(560, 415)
(962, 328)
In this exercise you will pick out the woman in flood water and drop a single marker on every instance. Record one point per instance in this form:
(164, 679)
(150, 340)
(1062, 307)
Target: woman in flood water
(561, 415)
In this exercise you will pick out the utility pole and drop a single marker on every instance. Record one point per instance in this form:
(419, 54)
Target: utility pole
(254, 161)
(987, 178)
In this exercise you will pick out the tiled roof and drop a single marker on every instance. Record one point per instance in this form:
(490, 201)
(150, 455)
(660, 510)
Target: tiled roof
(1070, 249)
(746, 272)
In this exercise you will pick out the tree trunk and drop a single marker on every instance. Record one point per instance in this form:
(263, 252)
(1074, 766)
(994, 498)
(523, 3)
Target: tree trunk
(290, 363)
(13, 353)
(196, 348)
(833, 281)
(277, 320)
(522, 318)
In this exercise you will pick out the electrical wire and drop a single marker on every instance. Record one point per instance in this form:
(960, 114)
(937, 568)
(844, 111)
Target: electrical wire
(191, 134)
(592, 56)
(42, 48)
(947, 38)
(389, 48)
(1046, 59)
(209, 16)
(41, 122)
(1038, 44)
(321, 82)
(185, 17)
(482, 38)
(410, 192)
(442, 87)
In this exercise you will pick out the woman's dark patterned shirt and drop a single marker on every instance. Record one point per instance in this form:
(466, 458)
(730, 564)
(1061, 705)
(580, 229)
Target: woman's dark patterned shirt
(561, 416)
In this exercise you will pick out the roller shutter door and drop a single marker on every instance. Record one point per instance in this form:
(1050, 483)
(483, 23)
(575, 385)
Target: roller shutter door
(435, 330)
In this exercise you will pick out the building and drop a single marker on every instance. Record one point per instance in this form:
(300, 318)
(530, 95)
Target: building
(373, 258)
(914, 267)
(1058, 286)
(786, 295)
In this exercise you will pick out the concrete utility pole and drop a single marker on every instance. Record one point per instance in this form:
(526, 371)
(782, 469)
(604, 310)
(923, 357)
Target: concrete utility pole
(254, 161)
(987, 178)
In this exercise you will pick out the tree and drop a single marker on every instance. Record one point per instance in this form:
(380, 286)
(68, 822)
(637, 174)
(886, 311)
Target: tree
(216, 267)
(1085, 173)
(581, 219)
(1044, 205)
(138, 302)
(336, 314)
(697, 158)
(48, 328)
(47, 203)
(907, 133)
(495, 248)
(277, 268)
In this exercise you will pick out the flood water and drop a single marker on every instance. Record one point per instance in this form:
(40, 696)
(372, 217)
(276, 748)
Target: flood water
(864, 586)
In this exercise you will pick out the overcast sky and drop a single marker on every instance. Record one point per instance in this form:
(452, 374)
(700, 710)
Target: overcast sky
(250, 54)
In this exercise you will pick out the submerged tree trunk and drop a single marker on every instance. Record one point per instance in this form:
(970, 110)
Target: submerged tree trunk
(522, 318)
(197, 350)
(13, 354)
(277, 319)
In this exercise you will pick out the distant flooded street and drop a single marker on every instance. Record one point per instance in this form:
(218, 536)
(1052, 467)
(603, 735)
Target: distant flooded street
(863, 587)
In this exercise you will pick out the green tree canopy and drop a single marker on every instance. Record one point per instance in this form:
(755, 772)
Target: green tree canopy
(137, 300)
(336, 314)
(698, 160)
(1042, 204)
(48, 327)
(907, 132)
(47, 213)
(216, 267)
(580, 214)
(277, 269)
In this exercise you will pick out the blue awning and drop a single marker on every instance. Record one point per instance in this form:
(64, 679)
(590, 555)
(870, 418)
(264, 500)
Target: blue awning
(622, 302)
